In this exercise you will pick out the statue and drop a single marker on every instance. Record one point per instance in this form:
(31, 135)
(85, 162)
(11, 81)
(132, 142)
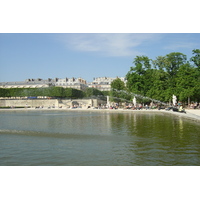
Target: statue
(134, 101)
(174, 100)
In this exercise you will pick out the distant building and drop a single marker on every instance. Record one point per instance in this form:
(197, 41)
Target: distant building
(104, 83)
(101, 83)
(77, 83)
(28, 83)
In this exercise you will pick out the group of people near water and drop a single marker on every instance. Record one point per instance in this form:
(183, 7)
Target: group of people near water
(194, 106)
(175, 107)
(126, 106)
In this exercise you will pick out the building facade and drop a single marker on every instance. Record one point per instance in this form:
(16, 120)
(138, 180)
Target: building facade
(76, 83)
(104, 83)
(28, 83)
(101, 83)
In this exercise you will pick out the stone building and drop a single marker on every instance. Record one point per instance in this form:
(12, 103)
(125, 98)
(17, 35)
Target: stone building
(104, 83)
(28, 83)
(76, 83)
(101, 83)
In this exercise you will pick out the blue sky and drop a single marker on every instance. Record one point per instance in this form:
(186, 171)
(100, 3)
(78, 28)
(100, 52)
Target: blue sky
(87, 55)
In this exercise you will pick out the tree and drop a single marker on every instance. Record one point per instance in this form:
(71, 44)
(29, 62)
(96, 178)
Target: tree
(134, 83)
(158, 85)
(174, 61)
(139, 76)
(187, 83)
(4, 92)
(92, 92)
(118, 84)
(196, 58)
(142, 63)
(119, 96)
(73, 93)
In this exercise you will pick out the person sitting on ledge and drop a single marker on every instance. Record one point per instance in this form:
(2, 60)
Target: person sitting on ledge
(181, 109)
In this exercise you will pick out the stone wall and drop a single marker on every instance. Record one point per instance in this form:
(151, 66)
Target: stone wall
(49, 102)
(82, 102)
(29, 102)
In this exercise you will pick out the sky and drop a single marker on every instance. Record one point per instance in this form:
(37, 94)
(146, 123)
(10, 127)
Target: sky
(85, 55)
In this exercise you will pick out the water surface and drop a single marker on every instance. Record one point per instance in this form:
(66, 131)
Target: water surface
(80, 138)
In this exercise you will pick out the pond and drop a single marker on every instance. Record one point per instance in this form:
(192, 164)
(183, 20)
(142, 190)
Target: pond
(101, 138)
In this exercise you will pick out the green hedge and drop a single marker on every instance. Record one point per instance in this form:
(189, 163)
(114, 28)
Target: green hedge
(50, 92)
(88, 92)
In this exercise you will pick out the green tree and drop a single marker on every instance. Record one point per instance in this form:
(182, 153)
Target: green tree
(92, 92)
(174, 61)
(170, 64)
(158, 85)
(73, 93)
(119, 96)
(4, 92)
(196, 58)
(142, 63)
(118, 91)
(160, 63)
(118, 84)
(134, 83)
(187, 83)
(77, 93)
(139, 77)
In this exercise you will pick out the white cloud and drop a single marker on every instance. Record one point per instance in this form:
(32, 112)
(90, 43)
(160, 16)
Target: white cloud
(109, 44)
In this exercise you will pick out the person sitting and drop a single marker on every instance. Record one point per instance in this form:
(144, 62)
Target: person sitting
(181, 109)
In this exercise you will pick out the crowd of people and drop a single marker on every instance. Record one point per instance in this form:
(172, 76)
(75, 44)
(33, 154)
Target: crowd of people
(129, 106)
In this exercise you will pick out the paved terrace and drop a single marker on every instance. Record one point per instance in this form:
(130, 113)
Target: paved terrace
(193, 112)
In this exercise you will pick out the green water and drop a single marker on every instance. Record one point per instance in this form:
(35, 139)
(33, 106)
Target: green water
(75, 138)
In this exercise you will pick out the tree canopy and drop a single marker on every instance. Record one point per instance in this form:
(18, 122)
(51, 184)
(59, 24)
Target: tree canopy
(196, 58)
(118, 84)
(89, 92)
(165, 76)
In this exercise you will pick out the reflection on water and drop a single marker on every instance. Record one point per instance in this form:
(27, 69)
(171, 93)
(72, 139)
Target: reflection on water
(180, 128)
(97, 138)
